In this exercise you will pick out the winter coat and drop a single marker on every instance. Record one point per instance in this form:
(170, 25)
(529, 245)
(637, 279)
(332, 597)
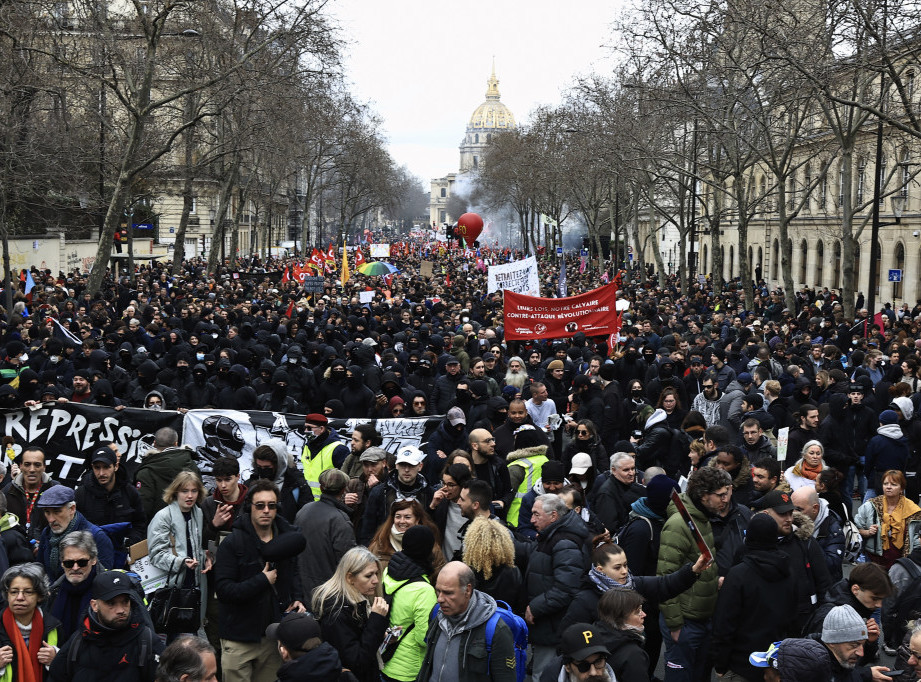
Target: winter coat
(729, 534)
(16, 503)
(807, 566)
(157, 471)
(447, 439)
(763, 449)
(329, 533)
(383, 495)
(752, 610)
(870, 513)
(411, 605)
(168, 549)
(321, 664)
(15, 544)
(123, 504)
(628, 660)
(556, 563)
(356, 634)
(594, 448)
(640, 539)
(840, 594)
(654, 448)
(888, 449)
(742, 485)
(655, 589)
(505, 437)
(103, 547)
(457, 651)
(248, 602)
(828, 533)
(845, 432)
(444, 392)
(612, 503)
(676, 548)
(104, 652)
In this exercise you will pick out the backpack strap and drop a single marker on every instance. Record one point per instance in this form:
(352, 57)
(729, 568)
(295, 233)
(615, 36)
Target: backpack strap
(914, 572)
(490, 633)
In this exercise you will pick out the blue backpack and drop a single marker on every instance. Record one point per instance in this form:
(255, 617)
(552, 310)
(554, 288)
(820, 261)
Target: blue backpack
(519, 635)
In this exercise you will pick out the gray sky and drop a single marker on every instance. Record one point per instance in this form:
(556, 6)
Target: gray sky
(423, 65)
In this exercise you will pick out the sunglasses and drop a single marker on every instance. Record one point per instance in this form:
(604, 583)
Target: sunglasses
(397, 412)
(70, 563)
(582, 432)
(265, 505)
(584, 666)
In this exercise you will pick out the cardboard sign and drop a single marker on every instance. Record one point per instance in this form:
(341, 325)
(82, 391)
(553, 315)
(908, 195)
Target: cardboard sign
(783, 437)
(152, 578)
(426, 268)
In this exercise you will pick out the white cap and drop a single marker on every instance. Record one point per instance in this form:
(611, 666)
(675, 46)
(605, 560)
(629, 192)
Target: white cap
(410, 454)
(581, 463)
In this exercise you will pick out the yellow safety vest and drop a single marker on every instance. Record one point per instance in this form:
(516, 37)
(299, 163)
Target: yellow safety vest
(532, 468)
(317, 465)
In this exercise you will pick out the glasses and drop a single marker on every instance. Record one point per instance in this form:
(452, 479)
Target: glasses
(419, 402)
(24, 593)
(707, 387)
(722, 496)
(449, 485)
(907, 653)
(397, 413)
(70, 563)
(582, 432)
(265, 505)
(488, 440)
(585, 666)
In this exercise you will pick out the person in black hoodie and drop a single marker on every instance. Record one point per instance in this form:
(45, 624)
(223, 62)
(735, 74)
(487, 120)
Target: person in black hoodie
(278, 399)
(755, 602)
(305, 656)
(256, 581)
(199, 392)
(357, 398)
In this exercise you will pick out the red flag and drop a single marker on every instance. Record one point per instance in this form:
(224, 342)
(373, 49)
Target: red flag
(879, 322)
(331, 255)
(359, 258)
(388, 279)
(316, 259)
(448, 279)
(290, 310)
(285, 277)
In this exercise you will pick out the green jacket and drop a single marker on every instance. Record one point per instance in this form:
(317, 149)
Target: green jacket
(678, 548)
(412, 604)
(157, 471)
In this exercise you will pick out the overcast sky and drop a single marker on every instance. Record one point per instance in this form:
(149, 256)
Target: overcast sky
(423, 65)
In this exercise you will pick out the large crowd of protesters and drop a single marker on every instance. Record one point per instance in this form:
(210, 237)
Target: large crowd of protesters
(551, 526)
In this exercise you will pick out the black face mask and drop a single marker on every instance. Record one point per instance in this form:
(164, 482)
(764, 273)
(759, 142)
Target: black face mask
(666, 372)
(280, 388)
(338, 374)
(637, 393)
(265, 472)
(199, 378)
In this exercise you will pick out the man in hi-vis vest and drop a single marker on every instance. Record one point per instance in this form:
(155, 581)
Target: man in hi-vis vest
(323, 450)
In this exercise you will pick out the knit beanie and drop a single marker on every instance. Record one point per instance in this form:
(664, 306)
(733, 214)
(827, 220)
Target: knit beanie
(418, 542)
(555, 364)
(552, 471)
(888, 417)
(843, 624)
(762, 533)
(659, 493)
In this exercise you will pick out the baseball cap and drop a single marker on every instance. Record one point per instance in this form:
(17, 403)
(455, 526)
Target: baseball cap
(410, 454)
(765, 659)
(581, 463)
(109, 584)
(294, 630)
(456, 416)
(777, 500)
(581, 640)
(56, 496)
(103, 454)
(373, 454)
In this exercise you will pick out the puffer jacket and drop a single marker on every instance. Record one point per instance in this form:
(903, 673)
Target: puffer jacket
(412, 605)
(556, 563)
(458, 651)
(657, 438)
(677, 547)
(888, 449)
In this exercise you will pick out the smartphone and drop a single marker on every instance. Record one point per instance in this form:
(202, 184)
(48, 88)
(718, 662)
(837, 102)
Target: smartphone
(893, 673)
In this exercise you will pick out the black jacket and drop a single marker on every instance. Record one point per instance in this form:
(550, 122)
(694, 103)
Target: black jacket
(356, 635)
(845, 432)
(248, 602)
(383, 495)
(103, 653)
(807, 565)
(752, 610)
(729, 535)
(628, 660)
(584, 608)
(838, 595)
(123, 504)
(612, 503)
(320, 665)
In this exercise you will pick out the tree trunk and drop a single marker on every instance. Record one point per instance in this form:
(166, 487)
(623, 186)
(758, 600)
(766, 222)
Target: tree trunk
(849, 276)
(179, 246)
(785, 247)
(219, 226)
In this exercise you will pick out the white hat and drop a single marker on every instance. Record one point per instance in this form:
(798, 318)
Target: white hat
(410, 454)
(581, 463)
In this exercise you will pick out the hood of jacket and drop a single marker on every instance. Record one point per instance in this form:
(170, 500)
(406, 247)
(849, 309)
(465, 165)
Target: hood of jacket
(906, 407)
(695, 512)
(802, 526)
(821, 516)
(319, 664)
(893, 431)
(771, 565)
(743, 474)
(533, 451)
(281, 459)
(401, 567)
(840, 593)
(8, 521)
(657, 417)
(837, 405)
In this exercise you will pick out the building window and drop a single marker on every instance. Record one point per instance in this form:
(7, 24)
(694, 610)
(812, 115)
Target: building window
(861, 178)
(444, 191)
(775, 259)
(443, 216)
(819, 263)
(791, 193)
(883, 181)
(476, 139)
(906, 177)
(194, 205)
(900, 265)
(823, 192)
(732, 258)
(476, 162)
(836, 281)
(804, 256)
(807, 183)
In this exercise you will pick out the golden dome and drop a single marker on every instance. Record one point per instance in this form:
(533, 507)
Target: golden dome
(492, 114)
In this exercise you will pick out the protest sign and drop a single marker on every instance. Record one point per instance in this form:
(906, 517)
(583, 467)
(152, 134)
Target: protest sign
(380, 250)
(593, 313)
(519, 276)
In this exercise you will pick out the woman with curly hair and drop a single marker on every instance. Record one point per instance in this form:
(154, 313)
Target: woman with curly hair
(352, 612)
(404, 514)
(489, 551)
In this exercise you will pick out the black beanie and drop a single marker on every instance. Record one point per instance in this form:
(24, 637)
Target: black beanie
(528, 436)
(552, 471)
(418, 542)
(762, 533)
(659, 493)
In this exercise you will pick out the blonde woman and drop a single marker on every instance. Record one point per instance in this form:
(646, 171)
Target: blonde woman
(809, 466)
(352, 613)
(489, 551)
(174, 536)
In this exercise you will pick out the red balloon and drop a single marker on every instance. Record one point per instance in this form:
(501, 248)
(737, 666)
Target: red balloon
(470, 225)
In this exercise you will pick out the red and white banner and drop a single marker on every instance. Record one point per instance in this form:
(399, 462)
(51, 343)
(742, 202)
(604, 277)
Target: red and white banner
(592, 313)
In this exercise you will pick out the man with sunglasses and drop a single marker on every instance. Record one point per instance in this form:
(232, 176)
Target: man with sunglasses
(584, 657)
(256, 581)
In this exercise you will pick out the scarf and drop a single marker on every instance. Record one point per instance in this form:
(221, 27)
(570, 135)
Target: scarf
(28, 669)
(806, 471)
(604, 583)
(894, 522)
(72, 602)
(396, 539)
(55, 539)
(642, 508)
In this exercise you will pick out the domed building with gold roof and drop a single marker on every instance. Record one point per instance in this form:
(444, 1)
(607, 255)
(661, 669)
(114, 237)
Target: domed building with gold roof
(490, 118)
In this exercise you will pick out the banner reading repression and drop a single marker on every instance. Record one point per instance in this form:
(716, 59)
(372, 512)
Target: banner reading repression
(519, 276)
(593, 313)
